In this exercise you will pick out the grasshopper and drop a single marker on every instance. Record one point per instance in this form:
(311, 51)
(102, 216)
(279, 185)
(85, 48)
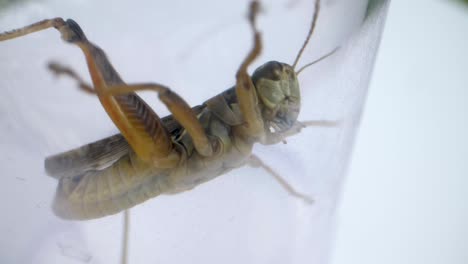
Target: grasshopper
(152, 155)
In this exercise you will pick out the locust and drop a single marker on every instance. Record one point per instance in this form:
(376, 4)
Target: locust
(152, 155)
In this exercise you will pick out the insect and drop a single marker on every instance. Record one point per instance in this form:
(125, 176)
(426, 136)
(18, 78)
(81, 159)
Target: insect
(153, 155)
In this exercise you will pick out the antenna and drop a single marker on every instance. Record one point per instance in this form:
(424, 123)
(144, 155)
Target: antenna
(311, 30)
(317, 60)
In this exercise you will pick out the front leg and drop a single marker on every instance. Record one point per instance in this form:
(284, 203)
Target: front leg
(253, 126)
(296, 128)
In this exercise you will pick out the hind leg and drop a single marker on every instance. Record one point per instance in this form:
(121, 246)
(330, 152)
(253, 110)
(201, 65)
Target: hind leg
(137, 122)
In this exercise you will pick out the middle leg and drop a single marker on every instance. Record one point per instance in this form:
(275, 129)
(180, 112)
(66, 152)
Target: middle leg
(59, 69)
(256, 162)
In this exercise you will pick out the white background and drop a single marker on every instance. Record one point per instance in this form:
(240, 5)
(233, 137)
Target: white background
(405, 198)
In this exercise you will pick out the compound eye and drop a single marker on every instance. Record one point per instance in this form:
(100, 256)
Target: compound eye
(276, 70)
(276, 66)
(272, 70)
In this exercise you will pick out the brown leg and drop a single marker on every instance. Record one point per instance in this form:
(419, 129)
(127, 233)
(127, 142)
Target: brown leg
(245, 90)
(179, 109)
(256, 162)
(41, 25)
(59, 69)
(137, 122)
